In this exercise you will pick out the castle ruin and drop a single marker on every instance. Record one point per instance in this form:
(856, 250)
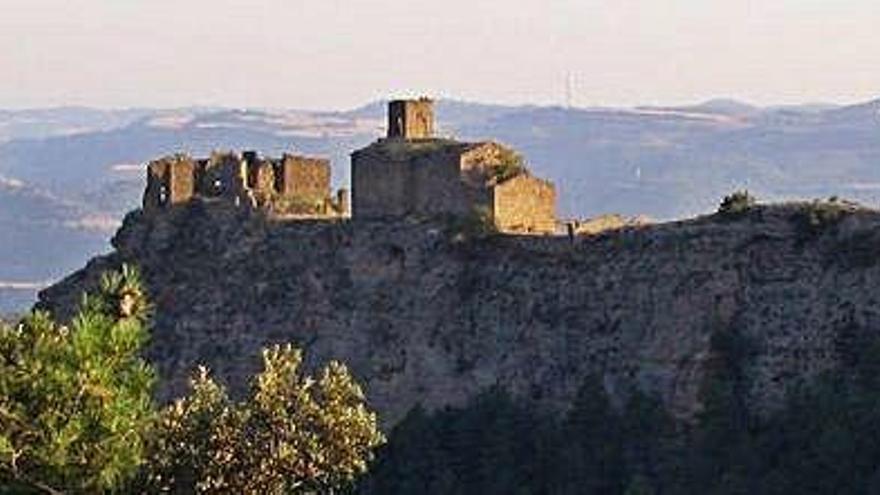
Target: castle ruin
(409, 173)
(288, 186)
(413, 173)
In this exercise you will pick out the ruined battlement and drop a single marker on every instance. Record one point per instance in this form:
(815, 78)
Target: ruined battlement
(292, 185)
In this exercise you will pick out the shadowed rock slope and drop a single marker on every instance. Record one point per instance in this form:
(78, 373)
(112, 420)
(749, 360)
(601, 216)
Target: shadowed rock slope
(422, 315)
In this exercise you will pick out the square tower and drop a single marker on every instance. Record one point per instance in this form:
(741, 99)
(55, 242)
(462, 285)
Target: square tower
(411, 119)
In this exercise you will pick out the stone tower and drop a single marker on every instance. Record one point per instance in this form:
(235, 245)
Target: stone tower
(411, 119)
(170, 181)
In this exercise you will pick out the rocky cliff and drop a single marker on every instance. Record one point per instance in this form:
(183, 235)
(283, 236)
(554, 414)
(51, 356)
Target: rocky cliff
(423, 315)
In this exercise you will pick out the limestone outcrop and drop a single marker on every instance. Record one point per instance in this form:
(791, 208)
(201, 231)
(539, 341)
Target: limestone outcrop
(423, 315)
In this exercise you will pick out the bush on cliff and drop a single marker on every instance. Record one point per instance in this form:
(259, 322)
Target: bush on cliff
(478, 223)
(816, 217)
(736, 203)
(75, 399)
(295, 434)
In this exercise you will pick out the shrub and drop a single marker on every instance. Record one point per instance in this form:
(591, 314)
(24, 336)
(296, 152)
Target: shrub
(296, 205)
(737, 203)
(477, 223)
(817, 216)
(510, 165)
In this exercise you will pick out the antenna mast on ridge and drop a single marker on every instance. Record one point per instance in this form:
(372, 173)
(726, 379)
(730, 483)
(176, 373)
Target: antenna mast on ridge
(569, 90)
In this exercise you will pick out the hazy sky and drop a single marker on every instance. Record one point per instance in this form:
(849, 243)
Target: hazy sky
(339, 54)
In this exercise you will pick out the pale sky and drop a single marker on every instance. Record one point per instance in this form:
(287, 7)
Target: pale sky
(335, 54)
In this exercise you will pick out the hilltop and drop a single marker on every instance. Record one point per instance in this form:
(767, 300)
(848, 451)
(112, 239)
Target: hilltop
(665, 163)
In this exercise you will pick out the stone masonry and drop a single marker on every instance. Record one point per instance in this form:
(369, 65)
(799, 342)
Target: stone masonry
(524, 204)
(293, 185)
(412, 173)
(411, 119)
(303, 176)
(170, 181)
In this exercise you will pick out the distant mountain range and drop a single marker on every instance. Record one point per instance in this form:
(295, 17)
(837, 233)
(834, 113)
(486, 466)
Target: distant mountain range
(68, 175)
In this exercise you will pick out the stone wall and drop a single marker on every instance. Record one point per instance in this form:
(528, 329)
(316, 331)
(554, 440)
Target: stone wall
(393, 178)
(411, 173)
(293, 185)
(478, 160)
(224, 175)
(378, 184)
(525, 204)
(170, 181)
(436, 187)
(304, 177)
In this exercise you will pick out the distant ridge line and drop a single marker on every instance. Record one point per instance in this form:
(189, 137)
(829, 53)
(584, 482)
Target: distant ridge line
(7, 285)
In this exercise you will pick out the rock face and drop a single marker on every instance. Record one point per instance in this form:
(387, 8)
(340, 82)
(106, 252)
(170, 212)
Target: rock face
(423, 316)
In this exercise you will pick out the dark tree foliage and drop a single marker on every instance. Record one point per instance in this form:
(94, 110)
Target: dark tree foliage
(825, 440)
(721, 445)
(592, 460)
(497, 445)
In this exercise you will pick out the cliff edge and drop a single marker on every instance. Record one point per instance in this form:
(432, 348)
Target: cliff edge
(424, 315)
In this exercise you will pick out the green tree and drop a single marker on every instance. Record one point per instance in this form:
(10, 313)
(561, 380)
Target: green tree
(75, 399)
(295, 434)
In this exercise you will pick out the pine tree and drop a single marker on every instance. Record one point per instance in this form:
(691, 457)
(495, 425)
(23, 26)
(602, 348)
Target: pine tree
(75, 400)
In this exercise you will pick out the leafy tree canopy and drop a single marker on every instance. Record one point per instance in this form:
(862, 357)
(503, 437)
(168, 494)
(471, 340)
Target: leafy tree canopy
(295, 434)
